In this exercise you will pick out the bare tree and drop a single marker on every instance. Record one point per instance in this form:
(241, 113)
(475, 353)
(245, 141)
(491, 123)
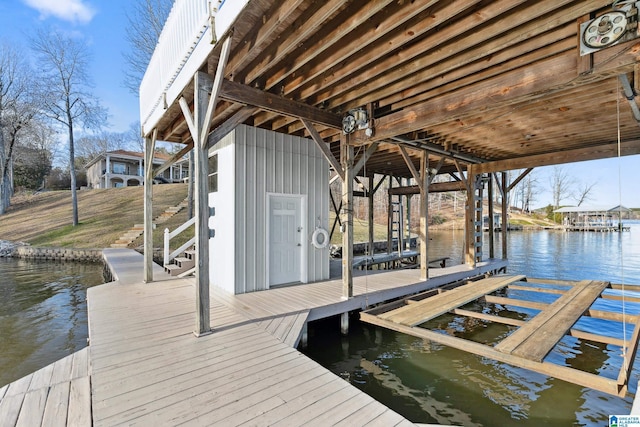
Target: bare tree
(583, 192)
(15, 113)
(530, 191)
(561, 185)
(66, 99)
(90, 146)
(144, 25)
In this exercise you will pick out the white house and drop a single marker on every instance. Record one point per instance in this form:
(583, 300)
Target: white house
(122, 168)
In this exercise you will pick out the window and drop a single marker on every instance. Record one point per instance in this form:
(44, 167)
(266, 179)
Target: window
(120, 168)
(213, 173)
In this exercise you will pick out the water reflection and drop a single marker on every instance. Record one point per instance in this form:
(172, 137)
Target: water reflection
(43, 315)
(431, 383)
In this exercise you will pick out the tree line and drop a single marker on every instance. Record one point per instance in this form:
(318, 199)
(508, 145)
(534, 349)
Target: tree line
(48, 113)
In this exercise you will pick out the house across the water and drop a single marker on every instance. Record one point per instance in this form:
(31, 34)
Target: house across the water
(122, 168)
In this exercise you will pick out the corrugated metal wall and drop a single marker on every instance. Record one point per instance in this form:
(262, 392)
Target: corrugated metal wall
(269, 162)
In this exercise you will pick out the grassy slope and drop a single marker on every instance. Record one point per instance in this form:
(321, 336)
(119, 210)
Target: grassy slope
(45, 219)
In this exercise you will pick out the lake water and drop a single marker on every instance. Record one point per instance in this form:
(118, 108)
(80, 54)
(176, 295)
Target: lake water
(431, 383)
(43, 314)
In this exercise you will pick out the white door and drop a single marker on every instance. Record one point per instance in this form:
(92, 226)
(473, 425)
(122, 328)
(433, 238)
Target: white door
(285, 239)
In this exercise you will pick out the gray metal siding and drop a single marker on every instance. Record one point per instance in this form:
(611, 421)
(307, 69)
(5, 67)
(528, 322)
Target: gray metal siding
(270, 162)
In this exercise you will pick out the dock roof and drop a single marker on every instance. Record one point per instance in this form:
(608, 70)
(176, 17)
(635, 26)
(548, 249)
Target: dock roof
(500, 83)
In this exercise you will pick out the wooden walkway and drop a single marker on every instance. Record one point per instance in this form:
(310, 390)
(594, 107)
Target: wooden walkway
(146, 367)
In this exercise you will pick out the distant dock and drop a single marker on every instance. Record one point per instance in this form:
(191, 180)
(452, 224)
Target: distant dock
(597, 228)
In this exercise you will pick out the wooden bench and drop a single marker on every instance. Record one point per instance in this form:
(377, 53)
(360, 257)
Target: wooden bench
(442, 261)
(392, 260)
(362, 262)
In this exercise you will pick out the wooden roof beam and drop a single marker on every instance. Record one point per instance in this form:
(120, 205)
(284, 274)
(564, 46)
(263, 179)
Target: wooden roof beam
(627, 148)
(378, 33)
(553, 74)
(302, 33)
(473, 43)
(243, 94)
(336, 37)
(230, 124)
(266, 34)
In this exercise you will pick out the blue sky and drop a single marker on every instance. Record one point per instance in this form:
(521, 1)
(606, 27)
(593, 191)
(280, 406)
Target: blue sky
(102, 23)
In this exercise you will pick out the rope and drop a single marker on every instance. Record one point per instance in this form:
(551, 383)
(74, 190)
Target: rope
(620, 246)
(371, 251)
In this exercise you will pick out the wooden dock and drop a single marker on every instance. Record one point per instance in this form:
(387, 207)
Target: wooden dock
(56, 395)
(533, 339)
(146, 366)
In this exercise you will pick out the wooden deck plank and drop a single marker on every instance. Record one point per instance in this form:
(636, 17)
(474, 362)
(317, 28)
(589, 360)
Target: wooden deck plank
(10, 408)
(328, 386)
(62, 370)
(323, 406)
(80, 366)
(80, 402)
(293, 336)
(233, 386)
(41, 378)
(536, 338)
(166, 396)
(196, 365)
(341, 410)
(437, 305)
(363, 416)
(57, 406)
(19, 386)
(32, 408)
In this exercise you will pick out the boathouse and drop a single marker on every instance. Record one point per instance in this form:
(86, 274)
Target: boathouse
(277, 98)
(593, 218)
(402, 90)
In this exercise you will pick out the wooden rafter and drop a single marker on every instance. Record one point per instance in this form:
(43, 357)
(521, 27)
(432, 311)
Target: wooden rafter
(412, 168)
(324, 148)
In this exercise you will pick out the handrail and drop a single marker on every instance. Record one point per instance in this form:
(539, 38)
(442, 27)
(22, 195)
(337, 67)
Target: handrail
(168, 235)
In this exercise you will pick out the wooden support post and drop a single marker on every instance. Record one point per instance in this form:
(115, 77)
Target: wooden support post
(469, 223)
(505, 214)
(347, 155)
(304, 337)
(389, 217)
(370, 194)
(149, 148)
(424, 217)
(201, 161)
(490, 214)
(344, 323)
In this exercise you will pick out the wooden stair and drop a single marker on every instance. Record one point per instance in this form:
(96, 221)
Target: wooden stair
(182, 263)
(138, 229)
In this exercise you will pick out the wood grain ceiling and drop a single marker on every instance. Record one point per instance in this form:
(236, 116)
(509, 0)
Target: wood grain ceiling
(499, 82)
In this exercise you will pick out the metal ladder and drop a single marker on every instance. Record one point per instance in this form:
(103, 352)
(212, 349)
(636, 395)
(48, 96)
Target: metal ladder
(396, 224)
(477, 222)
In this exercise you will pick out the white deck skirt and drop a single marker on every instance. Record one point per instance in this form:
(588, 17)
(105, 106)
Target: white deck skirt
(184, 45)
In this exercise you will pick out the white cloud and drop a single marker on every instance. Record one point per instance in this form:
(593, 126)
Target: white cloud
(67, 10)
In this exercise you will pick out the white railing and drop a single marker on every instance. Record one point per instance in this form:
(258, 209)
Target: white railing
(187, 39)
(168, 256)
(186, 27)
